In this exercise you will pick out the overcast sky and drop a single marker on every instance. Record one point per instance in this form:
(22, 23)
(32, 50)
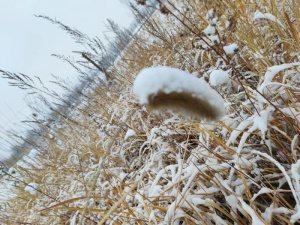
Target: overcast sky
(27, 42)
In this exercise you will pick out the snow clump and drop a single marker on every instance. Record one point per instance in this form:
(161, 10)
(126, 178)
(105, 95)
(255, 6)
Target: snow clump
(231, 49)
(219, 77)
(32, 188)
(171, 88)
(129, 133)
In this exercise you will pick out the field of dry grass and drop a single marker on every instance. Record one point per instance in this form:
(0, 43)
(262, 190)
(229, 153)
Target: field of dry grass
(242, 169)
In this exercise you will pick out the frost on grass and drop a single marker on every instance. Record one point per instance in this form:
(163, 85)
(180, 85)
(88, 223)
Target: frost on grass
(171, 88)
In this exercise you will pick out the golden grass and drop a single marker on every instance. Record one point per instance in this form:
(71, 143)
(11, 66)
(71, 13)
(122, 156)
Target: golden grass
(94, 176)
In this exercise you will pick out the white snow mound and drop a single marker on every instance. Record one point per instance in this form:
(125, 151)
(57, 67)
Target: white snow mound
(230, 49)
(218, 77)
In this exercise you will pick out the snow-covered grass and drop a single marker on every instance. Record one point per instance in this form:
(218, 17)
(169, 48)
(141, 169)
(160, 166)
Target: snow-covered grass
(171, 88)
(115, 162)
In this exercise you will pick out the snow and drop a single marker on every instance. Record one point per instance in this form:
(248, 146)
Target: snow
(167, 168)
(31, 188)
(215, 39)
(213, 21)
(261, 191)
(152, 217)
(123, 175)
(273, 70)
(33, 153)
(209, 30)
(267, 215)
(291, 112)
(294, 142)
(270, 74)
(284, 172)
(261, 121)
(219, 77)
(251, 212)
(295, 168)
(73, 220)
(235, 133)
(210, 14)
(260, 15)
(129, 133)
(227, 24)
(151, 82)
(12, 171)
(230, 49)
(295, 217)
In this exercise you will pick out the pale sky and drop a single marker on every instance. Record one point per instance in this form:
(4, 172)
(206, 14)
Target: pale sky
(27, 42)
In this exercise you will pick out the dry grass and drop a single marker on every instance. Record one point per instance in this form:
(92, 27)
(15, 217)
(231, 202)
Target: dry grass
(175, 170)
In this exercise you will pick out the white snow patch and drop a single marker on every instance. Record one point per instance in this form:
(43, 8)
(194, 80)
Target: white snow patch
(209, 30)
(215, 39)
(286, 175)
(219, 77)
(33, 153)
(268, 214)
(129, 133)
(210, 14)
(235, 133)
(123, 175)
(230, 49)
(31, 188)
(251, 212)
(261, 121)
(295, 217)
(293, 113)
